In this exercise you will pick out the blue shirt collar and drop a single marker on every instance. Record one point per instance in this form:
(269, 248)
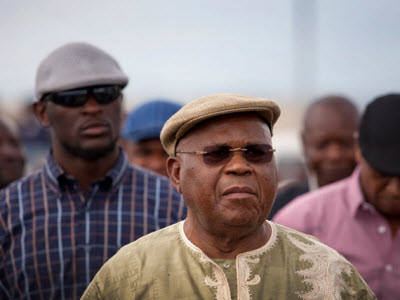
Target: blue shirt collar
(58, 178)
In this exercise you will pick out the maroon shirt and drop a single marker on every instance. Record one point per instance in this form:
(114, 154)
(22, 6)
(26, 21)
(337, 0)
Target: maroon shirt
(338, 215)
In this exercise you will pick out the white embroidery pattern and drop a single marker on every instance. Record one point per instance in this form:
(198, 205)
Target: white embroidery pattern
(220, 284)
(325, 274)
(244, 273)
(242, 268)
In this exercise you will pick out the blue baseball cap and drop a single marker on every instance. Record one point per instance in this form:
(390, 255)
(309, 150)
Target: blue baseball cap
(147, 120)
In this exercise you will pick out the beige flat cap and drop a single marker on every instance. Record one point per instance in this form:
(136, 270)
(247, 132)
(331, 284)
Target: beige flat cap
(211, 106)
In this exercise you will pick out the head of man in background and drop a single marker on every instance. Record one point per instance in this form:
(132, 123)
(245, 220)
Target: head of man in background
(328, 140)
(378, 155)
(81, 104)
(12, 154)
(328, 146)
(141, 134)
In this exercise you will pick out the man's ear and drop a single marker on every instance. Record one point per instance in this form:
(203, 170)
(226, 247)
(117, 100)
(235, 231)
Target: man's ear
(40, 110)
(173, 169)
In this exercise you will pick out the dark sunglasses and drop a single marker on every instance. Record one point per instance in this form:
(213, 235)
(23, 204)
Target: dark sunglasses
(219, 154)
(78, 97)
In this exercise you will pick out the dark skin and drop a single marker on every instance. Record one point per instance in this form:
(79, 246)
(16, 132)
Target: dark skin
(12, 158)
(148, 154)
(84, 139)
(327, 138)
(382, 191)
(227, 203)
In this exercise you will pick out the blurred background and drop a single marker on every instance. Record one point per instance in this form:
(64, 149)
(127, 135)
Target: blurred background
(290, 51)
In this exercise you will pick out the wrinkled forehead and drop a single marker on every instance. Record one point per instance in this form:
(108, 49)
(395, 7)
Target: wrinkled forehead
(223, 129)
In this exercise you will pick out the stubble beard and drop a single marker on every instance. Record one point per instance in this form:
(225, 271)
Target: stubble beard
(91, 154)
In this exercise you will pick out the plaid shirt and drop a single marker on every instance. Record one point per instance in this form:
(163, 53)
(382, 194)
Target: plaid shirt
(54, 238)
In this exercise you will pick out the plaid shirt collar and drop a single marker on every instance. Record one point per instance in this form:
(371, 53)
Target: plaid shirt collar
(58, 178)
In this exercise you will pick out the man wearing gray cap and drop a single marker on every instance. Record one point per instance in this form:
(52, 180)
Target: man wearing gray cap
(360, 216)
(222, 162)
(59, 225)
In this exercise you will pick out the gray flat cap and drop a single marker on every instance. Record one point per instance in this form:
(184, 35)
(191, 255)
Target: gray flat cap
(77, 65)
(212, 106)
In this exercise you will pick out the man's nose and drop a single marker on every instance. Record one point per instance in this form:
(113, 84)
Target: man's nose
(91, 105)
(238, 164)
(334, 152)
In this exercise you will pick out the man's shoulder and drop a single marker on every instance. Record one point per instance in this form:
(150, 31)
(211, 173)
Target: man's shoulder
(21, 184)
(135, 256)
(155, 186)
(286, 234)
(133, 170)
(20, 190)
(308, 247)
(137, 264)
(151, 242)
(333, 189)
(320, 266)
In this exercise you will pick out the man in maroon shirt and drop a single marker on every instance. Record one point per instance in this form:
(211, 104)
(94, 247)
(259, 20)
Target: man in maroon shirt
(360, 216)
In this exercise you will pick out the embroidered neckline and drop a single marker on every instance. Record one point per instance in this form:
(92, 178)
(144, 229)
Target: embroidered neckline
(219, 281)
(256, 252)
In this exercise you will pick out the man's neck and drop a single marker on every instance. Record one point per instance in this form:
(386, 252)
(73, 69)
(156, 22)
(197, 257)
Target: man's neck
(230, 244)
(86, 171)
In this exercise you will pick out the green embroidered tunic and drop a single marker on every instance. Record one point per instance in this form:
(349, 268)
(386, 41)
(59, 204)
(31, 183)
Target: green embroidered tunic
(166, 265)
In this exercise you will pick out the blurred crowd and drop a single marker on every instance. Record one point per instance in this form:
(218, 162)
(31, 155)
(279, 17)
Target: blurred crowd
(346, 193)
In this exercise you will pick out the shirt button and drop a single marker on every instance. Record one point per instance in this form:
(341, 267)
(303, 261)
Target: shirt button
(381, 229)
(226, 266)
(389, 268)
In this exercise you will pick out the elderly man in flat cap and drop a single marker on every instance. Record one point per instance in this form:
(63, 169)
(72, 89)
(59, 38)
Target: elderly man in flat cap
(59, 225)
(360, 216)
(222, 161)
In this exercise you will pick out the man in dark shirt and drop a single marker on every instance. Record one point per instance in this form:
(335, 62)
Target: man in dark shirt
(59, 225)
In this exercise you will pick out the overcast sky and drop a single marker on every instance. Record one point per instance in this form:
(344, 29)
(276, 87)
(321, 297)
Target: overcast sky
(290, 51)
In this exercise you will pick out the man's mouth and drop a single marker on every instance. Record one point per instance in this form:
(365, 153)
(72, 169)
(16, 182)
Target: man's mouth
(95, 129)
(239, 191)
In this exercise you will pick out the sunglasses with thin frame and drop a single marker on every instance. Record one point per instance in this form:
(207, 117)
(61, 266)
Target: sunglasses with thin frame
(78, 97)
(219, 154)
